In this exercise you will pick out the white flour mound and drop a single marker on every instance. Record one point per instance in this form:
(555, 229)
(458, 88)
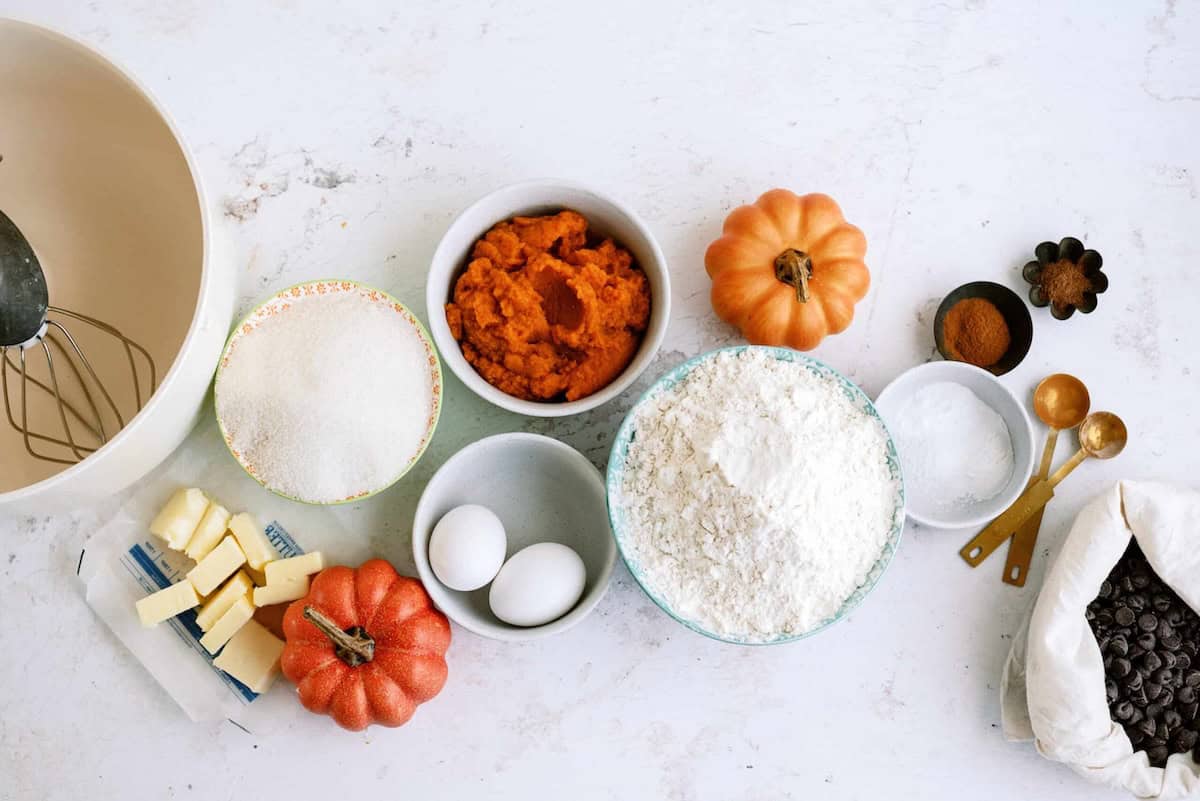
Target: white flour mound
(328, 399)
(757, 496)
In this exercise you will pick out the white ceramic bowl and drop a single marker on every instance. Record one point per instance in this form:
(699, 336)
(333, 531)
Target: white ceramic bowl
(96, 176)
(606, 216)
(989, 389)
(543, 491)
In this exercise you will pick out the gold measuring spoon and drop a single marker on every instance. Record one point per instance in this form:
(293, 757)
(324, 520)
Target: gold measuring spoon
(1102, 435)
(1060, 401)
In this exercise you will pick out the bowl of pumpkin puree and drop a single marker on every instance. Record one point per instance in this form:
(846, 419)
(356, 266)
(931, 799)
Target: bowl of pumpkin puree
(547, 298)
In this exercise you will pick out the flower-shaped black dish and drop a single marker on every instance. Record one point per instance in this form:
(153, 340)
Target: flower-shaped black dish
(1071, 250)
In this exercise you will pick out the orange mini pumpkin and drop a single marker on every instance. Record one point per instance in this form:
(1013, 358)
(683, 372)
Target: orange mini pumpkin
(788, 269)
(365, 646)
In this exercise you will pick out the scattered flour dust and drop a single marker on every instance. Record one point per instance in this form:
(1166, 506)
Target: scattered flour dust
(757, 496)
(330, 398)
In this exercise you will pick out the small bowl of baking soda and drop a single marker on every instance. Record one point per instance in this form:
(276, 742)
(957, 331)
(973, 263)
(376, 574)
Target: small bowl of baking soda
(328, 392)
(966, 443)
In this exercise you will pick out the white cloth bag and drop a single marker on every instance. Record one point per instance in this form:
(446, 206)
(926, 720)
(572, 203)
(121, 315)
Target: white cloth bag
(1052, 690)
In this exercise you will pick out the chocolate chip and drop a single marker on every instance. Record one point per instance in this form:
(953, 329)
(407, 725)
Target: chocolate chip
(1172, 718)
(1190, 710)
(1171, 643)
(1182, 660)
(1126, 584)
(1164, 629)
(1148, 727)
(1153, 690)
(1161, 602)
(1153, 711)
(1147, 641)
(1167, 697)
(1175, 616)
(1192, 678)
(1147, 621)
(1110, 690)
(1184, 740)
(1151, 662)
(1123, 711)
(1104, 619)
(1132, 679)
(1119, 645)
(1105, 589)
(1185, 694)
(1136, 602)
(1168, 659)
(1140, 580)
(1162, 676)
(1124, 616)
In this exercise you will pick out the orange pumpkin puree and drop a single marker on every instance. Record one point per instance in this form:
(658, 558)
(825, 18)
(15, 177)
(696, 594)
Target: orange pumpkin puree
(546, 312)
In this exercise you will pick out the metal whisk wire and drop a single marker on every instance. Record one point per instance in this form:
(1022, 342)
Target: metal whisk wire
(91, 419)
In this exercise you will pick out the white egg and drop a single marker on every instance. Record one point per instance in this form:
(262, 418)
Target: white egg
(537, 584)
(466, 548)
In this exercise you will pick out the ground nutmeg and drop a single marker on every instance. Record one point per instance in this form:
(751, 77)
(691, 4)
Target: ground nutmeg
(975, 332)
(1064, 283)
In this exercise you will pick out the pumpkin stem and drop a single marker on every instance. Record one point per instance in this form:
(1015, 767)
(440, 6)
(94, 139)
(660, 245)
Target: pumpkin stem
(353, 646)
(794, 268)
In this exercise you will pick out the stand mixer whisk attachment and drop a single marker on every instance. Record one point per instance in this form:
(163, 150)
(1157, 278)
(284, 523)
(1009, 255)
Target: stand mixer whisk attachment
(53, 394)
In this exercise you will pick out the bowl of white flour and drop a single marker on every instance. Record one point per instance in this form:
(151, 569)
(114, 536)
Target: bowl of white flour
(755, 495)
(328, 392)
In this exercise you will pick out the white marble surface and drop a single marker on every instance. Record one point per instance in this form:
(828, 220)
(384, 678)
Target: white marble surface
(957, 135)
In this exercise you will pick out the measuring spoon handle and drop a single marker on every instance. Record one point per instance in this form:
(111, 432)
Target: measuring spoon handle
(985, 542)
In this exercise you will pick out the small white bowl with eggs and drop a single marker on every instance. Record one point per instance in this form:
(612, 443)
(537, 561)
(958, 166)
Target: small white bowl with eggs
(516, 527)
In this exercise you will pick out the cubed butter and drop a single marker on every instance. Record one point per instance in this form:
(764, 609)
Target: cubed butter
(259, 577)
(217, 566)
(209, 532)
(253, 539)
(238, 586)
(252, 656)
(284, 591)
(233, 619)
(297, 567)
(167, 603)
(178, 519)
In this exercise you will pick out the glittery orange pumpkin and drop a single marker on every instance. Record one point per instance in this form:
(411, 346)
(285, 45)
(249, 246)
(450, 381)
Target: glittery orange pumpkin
(788, 269)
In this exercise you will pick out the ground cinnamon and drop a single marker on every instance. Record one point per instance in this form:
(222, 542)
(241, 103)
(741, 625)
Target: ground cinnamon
(975, 332)
(1064, 282)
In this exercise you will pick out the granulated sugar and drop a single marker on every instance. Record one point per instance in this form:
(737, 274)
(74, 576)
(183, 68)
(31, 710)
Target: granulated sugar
(757, 495)
(330, 398)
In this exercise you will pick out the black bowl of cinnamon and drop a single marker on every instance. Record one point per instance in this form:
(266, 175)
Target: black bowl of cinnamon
(984, 324)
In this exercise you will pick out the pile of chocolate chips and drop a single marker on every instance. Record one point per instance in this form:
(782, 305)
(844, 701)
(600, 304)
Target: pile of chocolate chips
(1149, 638)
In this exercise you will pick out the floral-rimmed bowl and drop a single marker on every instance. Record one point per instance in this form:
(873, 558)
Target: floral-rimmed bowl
(280, 303)
(1067, 254)
(616, 472)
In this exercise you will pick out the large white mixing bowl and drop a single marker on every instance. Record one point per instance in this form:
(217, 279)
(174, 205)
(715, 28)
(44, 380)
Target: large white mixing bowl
(97, 178)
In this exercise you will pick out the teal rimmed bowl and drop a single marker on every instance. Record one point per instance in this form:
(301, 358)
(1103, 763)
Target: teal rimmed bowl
(616, 473)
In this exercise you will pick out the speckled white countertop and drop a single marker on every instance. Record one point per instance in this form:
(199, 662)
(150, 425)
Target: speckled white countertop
(957, 135)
